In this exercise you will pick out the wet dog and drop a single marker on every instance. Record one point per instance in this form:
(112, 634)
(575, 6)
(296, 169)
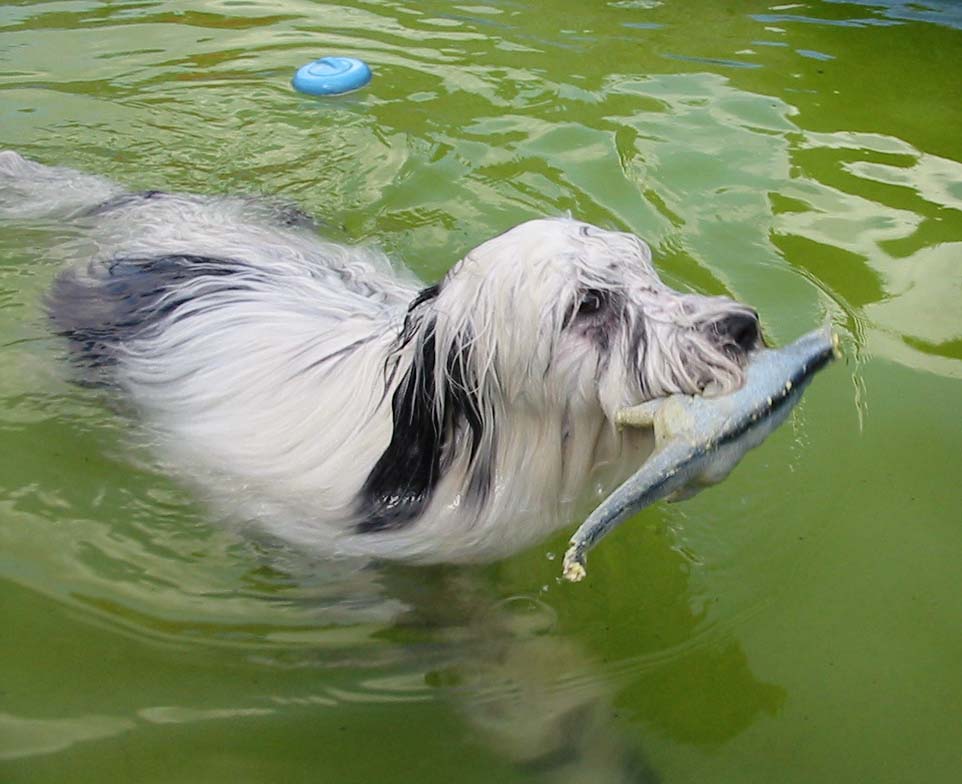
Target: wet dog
(340, 404)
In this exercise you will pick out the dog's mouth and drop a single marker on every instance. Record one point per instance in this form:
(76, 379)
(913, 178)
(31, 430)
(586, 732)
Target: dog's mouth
(699, 442)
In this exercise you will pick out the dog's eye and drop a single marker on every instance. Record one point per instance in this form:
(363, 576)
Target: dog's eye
(591, 302)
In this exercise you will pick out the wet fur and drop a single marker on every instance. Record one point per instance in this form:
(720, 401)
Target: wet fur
(333, 400)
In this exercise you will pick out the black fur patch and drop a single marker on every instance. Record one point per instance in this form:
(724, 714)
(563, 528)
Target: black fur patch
(637, 348)
(401, 484)
(116, 302)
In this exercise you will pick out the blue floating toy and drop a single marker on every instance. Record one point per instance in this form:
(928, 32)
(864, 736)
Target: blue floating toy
(332, 76)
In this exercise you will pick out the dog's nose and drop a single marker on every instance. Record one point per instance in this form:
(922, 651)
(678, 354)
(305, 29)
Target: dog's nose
(741, 329)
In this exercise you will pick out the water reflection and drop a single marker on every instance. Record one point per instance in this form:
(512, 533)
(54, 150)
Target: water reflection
(138, 627)
(527, 681)
(532, 689)
(521, 672)
(889, 263)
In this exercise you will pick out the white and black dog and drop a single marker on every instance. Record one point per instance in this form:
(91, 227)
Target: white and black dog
(345, 407)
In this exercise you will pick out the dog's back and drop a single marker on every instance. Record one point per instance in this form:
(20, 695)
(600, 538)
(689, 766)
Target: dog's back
(153, 260)
(233, 329)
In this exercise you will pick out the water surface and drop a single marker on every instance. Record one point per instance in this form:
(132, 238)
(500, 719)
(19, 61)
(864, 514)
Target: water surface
(799, 623)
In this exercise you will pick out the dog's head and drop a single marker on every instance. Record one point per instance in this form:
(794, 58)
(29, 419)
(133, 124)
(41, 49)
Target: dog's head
(561, 313)
(554, 319)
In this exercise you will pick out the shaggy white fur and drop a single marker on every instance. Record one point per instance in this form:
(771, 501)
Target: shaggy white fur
(343, 406)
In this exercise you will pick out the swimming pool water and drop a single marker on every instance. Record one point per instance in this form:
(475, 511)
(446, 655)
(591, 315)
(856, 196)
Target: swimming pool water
(802, 622)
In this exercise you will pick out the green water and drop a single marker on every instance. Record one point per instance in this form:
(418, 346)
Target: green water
(801, 622)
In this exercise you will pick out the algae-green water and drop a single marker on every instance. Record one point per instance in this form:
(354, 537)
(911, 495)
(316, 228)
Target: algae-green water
(801, 622)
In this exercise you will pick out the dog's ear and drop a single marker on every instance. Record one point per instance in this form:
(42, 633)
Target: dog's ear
(430, 411)
(400, 484)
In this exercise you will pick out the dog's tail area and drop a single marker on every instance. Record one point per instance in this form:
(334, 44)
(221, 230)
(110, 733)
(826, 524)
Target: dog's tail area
(31, 191)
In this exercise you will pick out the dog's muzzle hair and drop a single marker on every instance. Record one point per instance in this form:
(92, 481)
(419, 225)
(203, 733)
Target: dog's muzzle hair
(328, 397)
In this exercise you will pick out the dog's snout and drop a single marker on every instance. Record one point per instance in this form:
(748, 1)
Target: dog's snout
(741, 329)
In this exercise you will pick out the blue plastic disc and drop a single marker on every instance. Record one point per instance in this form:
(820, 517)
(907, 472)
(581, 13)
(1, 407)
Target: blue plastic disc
(331, 76)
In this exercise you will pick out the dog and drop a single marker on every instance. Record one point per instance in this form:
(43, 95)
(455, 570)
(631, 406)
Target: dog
(343, 406)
